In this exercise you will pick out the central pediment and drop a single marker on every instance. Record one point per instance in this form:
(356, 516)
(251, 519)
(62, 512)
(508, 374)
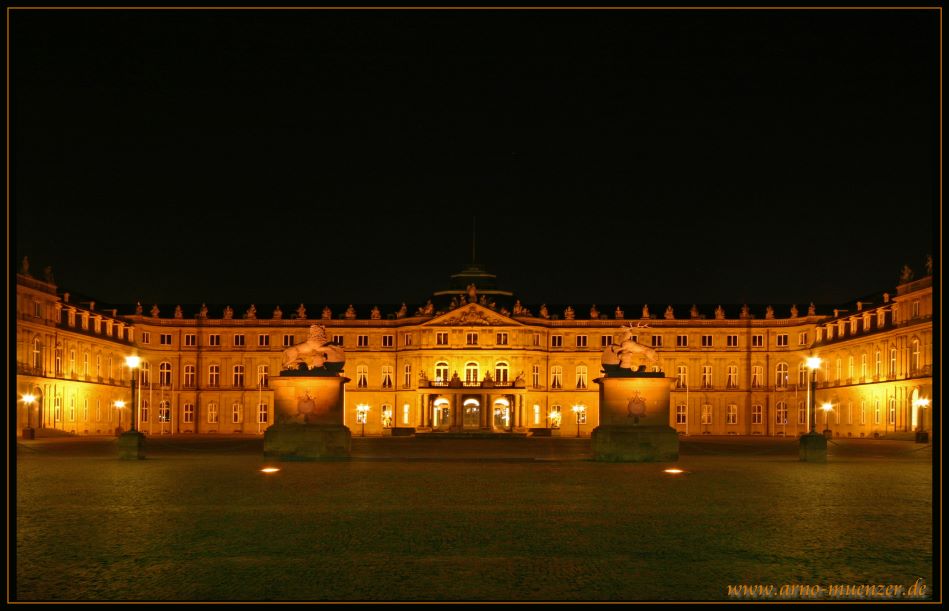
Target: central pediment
(471, 314)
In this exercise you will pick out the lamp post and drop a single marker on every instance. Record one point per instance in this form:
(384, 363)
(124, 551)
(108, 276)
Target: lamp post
(813, 446)
(827, 408)
(813, 363)
(119, 405)
(363, 411)
(578, 409)
(921, 435)
(133, 362)
(28, 431)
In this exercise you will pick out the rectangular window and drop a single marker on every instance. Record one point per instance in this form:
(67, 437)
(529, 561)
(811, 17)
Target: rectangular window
(682, 341)
(191, 339)
(406, 412)
(657, 341)
(757, 376)
(239, 339)
(388, 341)
(757, 341)
(471, 339)
(892, 410)
(706, 376)
(783, 339)
(146, 337)
(263, 340)
(581, 341)
(756, 414)
(802, 338)
(581, 377)
(706, 341)
(606, 340)
(682, 376)
(537, 339)
(214, 339)
(362, 341)
(731, 341)
(555, 417)
(407, 376)
(731, 415)
(801, 413)
(188, 414)
(706, 414)
(164, 339)
(680, 414)
(212, 413)
(502, 339)
(214, 376)
(535, 375)
(781, 413)
(556, 341)
(237, 413)
(262, 412)
(407, 339)
(556, 377)
(441, 338)
(338, 340)
(536, 414)
(287, 340)
(387, 376)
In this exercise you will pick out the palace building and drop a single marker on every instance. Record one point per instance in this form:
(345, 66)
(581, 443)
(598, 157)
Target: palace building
(473, 358)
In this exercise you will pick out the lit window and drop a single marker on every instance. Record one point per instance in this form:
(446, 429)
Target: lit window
(536, 414)
(501, 372)
(441, 371)
(555, 417)
(406, 412)
(164, 411)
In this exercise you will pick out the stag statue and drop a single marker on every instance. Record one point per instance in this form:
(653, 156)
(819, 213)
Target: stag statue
(316, 352)
(624, 355)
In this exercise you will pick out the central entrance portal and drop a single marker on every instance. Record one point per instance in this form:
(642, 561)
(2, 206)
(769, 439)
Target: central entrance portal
(472, 419)
(441, 415)
(502, 414)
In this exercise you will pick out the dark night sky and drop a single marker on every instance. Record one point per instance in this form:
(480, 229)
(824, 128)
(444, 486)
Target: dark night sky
(609, 156)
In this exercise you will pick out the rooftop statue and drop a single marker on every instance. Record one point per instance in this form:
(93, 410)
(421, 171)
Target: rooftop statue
(811, 310)
(203, 312)
(138, 308)
(453, 304)
(594, 313)
(48, 274)
(669, 315)
(178, 312)
(472, 291)
(317, 352)
(375, 314)
(301, 312)
(251, 312)
(518, 308)
(568, 313)
(769, 312)
(543, 311)
(25, 266)
(929, 264)
(719, 313)
(327, 313)
(350, 312)
(154, 311)
(402, 311)
(277, 313)
(745, 311)
(228, 312)
(694, 312)
(906, 274)
(794, 311)
(619, 314)
(646, 311)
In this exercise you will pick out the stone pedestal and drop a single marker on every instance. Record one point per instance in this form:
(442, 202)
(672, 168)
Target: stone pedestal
(29, 433)
(634, 420)
(131, 446)
(296, 441)
(813, 448)
(308, 418)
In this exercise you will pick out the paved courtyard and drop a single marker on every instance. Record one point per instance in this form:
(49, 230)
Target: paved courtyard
(490, 519)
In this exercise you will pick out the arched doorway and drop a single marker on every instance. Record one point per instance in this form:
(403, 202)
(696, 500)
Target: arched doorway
(472, 413)
(441, 414)
(502, 414)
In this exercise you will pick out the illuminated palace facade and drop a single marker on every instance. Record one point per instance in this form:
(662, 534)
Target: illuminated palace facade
(472, 358)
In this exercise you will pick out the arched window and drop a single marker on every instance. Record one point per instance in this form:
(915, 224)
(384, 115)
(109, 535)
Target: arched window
(733, 379)
(556, 376)
(164, 374)
(471, 372)
(441, 371)
(212, 413)
(362, 376)
(263, 376)
(581, 376)
(781, 375)
(238, 376)
(501, 372)
(190, 377)
(387, 376)
(757, 376)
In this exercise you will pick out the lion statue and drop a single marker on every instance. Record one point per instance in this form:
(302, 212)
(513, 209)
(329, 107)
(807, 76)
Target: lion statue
(315, 352)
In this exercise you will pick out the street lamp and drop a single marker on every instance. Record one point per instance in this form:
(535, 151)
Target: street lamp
(813, 363)
(29, 400)
(120, 405)
(578, 409)
(827, 407)
(133, 362)
(362, 412)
